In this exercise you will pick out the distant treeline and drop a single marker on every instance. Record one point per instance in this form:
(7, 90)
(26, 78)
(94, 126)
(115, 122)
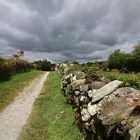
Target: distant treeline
(44, 65)
(125, 61)
(16, 64)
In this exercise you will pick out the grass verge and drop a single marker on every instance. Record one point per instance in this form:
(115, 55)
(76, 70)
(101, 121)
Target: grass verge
(51, 117)
(9, 89)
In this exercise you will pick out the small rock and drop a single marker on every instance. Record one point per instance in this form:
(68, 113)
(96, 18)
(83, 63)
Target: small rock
(86, 125)
(92, 109)
(123, 122)
(84, 88)
(80, 75)
(93, 128)
(83, 99)
(74, 78)
(68, 76)
(76, 84)
(77, 101)
(85, 115)
(77, 93)
(91, 92)
(83, 93)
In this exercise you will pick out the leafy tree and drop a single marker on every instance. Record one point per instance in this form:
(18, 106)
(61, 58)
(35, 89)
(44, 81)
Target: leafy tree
(121, 60)
(75, 63)
(117, 60)
(133, 61)
(136, 51)
(44, 65)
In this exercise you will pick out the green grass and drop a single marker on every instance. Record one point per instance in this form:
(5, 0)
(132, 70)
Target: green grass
(10, 88)
(51, 117)
(129, 79)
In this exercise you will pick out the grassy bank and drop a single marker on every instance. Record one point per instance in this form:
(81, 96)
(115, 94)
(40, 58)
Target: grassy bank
(9, 89)
(51, 117)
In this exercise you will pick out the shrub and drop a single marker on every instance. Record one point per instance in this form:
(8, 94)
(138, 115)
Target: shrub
(125, 62)
(12, 66)
(117, 60)
(44, 65)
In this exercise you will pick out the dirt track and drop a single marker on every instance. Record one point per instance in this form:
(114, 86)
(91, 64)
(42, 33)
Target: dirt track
(14, 117)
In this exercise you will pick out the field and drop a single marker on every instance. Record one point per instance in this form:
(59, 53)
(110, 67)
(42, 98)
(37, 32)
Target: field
(51, 117)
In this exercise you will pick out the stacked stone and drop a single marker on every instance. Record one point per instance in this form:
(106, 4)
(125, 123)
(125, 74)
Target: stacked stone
(63, 68)
(103, 110)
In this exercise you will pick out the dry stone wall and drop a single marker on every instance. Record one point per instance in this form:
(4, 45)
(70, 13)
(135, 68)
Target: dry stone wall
(104, 110)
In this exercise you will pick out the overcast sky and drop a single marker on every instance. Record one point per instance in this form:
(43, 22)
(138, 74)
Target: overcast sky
(78, 30)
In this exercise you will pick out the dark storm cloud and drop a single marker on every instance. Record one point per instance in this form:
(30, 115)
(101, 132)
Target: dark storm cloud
(82, 30)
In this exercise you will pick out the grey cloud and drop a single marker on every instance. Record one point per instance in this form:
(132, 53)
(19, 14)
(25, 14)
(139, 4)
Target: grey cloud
(81, 30)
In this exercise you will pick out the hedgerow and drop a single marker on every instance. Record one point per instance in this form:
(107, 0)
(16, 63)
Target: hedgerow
(12, 65)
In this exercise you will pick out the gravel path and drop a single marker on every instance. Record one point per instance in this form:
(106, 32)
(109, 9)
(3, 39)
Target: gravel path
(14, 117)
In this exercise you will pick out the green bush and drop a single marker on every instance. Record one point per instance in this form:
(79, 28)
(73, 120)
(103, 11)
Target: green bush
(12, 66)
(44, 65)
(125, 62)
(117, 60)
